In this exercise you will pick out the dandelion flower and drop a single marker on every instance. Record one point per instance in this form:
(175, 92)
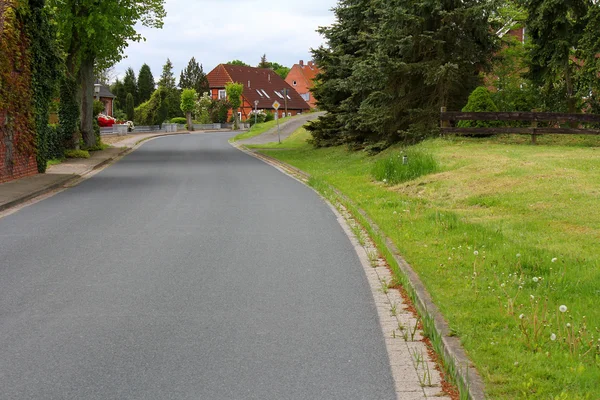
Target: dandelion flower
(554, 259)
(562, 308)
(553, 337)
(476, 252)
(536, 279)
(521, 316)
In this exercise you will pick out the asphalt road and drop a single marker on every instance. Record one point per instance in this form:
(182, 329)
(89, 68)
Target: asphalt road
(187, 270)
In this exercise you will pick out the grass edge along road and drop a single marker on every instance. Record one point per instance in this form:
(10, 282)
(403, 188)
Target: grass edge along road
(259, 129)
(503, 236)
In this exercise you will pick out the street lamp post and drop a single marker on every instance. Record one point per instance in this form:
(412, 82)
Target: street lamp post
(255, 110)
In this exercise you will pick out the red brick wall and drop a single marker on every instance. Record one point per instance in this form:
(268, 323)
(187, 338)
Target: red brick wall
(302, 86)
(14, 164)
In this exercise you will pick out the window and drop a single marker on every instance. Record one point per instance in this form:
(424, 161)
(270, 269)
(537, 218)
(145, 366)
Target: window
(239, 116)
(265, 93)
(222, 94)
(279, 94)
(259, 93)
(289, 114)
(305, 96)
(294, 83)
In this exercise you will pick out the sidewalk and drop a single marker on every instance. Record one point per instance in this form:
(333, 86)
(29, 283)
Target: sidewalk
(19, 191)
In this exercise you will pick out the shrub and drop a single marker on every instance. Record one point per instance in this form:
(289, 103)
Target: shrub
(77, 154)
(218, 111)
(480, 100)
(98, 107)
(178, 120)
(153, 111)
(392, 170)
(269, 116)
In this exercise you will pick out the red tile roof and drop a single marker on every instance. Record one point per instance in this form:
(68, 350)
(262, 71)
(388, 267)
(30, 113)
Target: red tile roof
(259, 84)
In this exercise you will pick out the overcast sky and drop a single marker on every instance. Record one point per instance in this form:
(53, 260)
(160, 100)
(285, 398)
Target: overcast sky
(218, 31)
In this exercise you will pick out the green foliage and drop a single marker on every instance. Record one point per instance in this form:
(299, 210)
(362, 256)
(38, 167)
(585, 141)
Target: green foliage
(218, 110)
(188, 100)
(238, 62)
(193, 77)
(129, 107)
(173, 96)
(234, 95)
(390, 65)
(154, 111)
(178, 120)
(77, 153)
(479, 101)
(118, 89)
(130, 86)
(167, 79)
(46, 71)
(98, 107)
(145, 84)
(279, 69)
(393, 169)
(68, 112)
(120, 115)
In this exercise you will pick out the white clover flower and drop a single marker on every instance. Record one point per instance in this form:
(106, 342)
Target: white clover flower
(476, 252)
(568, 325)
(554, 259)
(503, 284)
(536, 279)
(521, 316)
(562, 308)
(553, 337)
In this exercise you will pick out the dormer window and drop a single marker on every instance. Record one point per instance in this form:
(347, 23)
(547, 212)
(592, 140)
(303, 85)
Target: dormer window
(294, 83)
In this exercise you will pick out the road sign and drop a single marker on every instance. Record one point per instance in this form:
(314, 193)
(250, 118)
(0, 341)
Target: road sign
(276, 105)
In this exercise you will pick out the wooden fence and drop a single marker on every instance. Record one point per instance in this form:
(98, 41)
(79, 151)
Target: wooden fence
(533, 117)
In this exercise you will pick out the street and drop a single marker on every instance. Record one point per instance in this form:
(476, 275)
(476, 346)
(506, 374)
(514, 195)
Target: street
(187, 270)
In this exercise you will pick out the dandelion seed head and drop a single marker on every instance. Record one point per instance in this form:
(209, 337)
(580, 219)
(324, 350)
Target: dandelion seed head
(553, 337)
(518, 255)
(554, 259)
(562, 308)
(532, 296)
(476, 252)
(536, 279)
(568, 325)
(521, 316)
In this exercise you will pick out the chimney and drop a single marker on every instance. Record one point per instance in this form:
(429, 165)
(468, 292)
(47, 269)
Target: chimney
(302, 63)
(311, 64)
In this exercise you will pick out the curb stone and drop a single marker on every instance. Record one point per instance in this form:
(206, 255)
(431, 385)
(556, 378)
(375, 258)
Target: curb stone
(451, 347)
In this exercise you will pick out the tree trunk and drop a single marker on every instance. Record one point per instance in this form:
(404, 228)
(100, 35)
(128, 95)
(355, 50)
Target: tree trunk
(236, 123)
(86, 92)
(190, 126)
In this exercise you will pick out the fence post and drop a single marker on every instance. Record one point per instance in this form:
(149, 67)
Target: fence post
(534, 125)
(443, 122)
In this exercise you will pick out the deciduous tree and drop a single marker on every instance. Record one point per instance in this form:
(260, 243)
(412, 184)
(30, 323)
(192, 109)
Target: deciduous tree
(234, 96)
(95, 33)
(188, 104)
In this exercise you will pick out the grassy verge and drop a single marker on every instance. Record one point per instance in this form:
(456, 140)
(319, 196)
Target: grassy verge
(294, 141)
(258, 129)
(502, 236)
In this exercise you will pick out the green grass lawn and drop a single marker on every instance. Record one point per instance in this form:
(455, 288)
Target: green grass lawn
(258, 129)
(502, 235)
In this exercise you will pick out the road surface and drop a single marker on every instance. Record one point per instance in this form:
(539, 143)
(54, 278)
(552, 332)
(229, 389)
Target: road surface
(187, 270)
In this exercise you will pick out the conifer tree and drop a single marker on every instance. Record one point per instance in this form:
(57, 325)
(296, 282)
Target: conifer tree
(193, 77)
(145, 84)
(130, 85)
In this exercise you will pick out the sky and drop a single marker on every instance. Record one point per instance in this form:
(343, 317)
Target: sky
(218, 31)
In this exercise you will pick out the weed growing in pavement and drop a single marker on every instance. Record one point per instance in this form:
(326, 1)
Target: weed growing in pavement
(373, 258)
(385, 288)
(394, 309)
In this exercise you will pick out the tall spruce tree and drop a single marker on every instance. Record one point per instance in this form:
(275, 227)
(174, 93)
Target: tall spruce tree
(130, 84)
(173, 95)
(145, 84)
(193, 77)
(391, 64)
(118, 89)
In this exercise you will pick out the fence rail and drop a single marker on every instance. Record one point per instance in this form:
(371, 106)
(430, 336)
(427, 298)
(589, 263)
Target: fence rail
(446, 117)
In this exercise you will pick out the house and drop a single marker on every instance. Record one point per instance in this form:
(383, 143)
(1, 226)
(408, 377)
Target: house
(102, 93)
(261, 85)
(301, 78)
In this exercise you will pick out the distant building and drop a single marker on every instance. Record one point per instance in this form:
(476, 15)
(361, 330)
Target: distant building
(301, 78)
(260, 84)
(102, 93)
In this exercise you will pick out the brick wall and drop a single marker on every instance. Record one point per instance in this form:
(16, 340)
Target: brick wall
(17, 130)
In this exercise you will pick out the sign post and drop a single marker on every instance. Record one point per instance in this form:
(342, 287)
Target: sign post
(276, 106)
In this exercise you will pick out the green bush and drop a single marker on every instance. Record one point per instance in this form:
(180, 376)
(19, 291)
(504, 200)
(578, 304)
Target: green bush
(178, 120)
(77, 154)
(392, 170)
(98, 107)
(269, 116)
(218, 111)
(153, 111)
(480, 100)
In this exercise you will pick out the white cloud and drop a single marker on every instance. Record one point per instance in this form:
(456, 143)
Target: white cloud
(217, 31)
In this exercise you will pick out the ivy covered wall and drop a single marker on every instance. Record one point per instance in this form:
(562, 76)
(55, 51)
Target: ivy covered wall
(17, 124)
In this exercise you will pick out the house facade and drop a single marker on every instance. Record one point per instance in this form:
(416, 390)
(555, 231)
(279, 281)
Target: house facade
(261, 85)
(102, 93)
(301, 78)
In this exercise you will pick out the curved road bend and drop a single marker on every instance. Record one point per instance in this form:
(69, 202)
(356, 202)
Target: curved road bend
(188, 270)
